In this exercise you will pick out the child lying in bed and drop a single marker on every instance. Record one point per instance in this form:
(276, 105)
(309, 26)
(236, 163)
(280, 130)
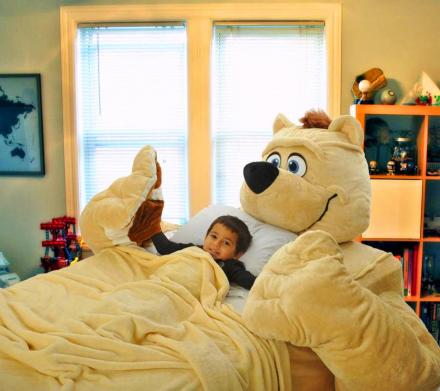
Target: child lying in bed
(226, 240)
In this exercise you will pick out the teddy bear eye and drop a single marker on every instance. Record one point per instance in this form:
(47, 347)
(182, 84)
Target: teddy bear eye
(297, 165)
(274, 159)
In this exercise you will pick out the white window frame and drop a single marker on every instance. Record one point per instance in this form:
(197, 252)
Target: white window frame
(199, 19)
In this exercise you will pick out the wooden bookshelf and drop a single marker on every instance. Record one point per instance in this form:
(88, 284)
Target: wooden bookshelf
(401, 204)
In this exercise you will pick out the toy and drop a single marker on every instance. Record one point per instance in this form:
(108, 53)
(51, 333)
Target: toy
(62, 239)
(404, 155)
(372, 166)
(364, 88)
(424, 100)
(366, 84)
(388, 97)
(336, 301)
(391, 167)
(422, 88)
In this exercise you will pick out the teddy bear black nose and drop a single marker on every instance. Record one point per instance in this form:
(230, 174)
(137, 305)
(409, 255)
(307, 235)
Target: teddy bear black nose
(259, 175)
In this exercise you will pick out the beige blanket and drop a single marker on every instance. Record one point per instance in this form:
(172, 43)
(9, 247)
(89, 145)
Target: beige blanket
(128, 320)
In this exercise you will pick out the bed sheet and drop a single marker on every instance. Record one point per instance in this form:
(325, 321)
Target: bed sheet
(127, 319)
(236, 296)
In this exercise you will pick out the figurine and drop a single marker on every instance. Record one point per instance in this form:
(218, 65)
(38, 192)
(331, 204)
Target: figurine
(403, 167)
(373, 167)
(424, 100)
(391, 167)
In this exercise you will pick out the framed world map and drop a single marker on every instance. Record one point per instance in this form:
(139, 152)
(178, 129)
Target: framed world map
(21, 125)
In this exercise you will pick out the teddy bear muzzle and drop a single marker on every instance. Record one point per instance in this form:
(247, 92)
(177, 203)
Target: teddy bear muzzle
(259, 175)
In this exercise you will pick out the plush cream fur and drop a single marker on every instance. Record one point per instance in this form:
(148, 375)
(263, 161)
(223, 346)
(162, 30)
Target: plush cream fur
(107, 219)
(336, 166)
(337, 302)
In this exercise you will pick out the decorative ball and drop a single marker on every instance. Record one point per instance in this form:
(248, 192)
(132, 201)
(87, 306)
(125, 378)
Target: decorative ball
(364, 85)
(388, 97)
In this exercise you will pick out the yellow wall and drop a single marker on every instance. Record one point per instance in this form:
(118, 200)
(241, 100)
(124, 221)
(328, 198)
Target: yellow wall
(399, 36)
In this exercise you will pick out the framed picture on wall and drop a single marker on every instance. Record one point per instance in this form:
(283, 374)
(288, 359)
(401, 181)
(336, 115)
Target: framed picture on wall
(21, 125)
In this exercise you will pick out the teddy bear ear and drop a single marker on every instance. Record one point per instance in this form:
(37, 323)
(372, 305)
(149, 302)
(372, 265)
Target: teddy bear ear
(281, 121)
(349, 126)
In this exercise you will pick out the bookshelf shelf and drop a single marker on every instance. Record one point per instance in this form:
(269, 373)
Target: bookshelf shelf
(381, 239)
(394, 177)
(431, 240)
(405, 205)
(430, 298)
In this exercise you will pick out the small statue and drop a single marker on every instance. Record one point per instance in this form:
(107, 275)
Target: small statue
(373, 167)
(403, 167)
(391, 167)
(408, 166)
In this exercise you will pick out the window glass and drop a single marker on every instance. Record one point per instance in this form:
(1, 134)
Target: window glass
(258, 72)
(132, 91)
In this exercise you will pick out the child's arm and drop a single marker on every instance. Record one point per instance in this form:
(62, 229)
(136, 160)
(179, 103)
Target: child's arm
(236, 272)
(165, 246)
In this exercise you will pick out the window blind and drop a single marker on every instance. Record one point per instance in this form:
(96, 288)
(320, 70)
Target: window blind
(132, 91)
(258, 72)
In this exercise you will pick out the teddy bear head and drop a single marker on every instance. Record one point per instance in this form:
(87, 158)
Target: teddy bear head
(313, 176)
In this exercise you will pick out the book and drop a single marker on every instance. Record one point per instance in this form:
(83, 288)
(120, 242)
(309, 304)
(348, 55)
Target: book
(415, 276)
(407, 274)
(434, 329)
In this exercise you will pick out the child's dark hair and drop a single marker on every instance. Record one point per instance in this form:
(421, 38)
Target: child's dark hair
(237, 226)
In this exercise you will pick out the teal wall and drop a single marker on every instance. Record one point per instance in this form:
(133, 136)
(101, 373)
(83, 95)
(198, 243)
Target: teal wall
(399, 36)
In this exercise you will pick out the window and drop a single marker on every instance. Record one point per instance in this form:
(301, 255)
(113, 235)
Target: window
(191, 93)
(131, 91)
(259, 71)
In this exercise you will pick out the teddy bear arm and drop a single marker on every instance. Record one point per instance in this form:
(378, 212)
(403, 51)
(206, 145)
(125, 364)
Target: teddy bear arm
(114, 207)
(388, 344)
(368, 341)
(384, 346)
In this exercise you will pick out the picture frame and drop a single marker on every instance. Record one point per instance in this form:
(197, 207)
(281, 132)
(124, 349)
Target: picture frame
(21, 125)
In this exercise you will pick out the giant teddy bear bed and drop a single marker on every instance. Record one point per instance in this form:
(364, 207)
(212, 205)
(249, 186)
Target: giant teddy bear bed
(325, 312)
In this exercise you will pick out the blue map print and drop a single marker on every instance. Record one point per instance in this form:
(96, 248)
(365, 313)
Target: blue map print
(12, 112)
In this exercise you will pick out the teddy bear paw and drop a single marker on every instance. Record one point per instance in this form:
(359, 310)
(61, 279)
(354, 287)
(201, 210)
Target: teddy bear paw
(308, 247)
(305, 282)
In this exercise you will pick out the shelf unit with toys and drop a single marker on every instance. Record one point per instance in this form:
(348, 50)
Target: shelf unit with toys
(402, 147)
(62, 240)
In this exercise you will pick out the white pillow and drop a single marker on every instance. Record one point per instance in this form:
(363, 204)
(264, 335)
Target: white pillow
(266, 238)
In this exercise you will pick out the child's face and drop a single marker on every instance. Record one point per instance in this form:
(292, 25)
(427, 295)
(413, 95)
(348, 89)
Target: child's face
(221, 243)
